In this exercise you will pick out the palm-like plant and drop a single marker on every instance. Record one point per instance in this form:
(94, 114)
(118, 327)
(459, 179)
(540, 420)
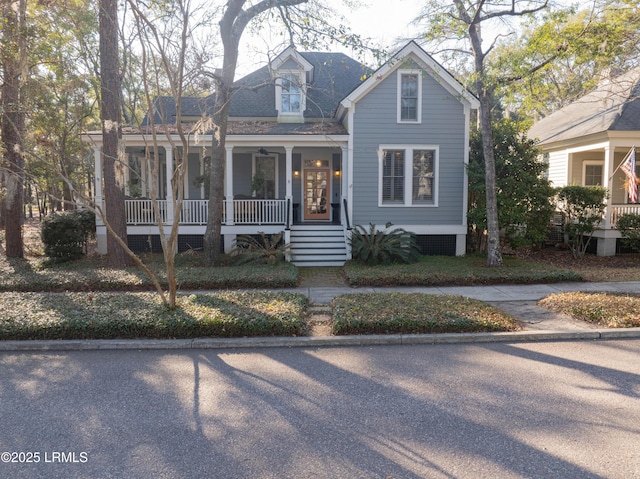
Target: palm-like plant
(383, 246)
(265, 249)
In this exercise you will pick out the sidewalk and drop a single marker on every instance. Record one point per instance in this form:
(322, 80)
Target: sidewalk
(517, 300)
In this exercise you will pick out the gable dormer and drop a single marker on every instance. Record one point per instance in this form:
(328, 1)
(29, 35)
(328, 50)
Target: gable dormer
(292, 74)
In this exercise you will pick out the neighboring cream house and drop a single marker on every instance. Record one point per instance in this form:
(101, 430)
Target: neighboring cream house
(586, 141)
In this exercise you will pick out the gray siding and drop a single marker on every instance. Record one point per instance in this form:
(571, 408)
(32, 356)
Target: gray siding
(242, 174)
(282, 177)
(443, 125)
(193, 168)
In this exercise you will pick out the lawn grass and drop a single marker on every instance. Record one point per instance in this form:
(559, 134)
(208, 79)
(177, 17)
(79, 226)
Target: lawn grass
(142, 315)
(456, 270)
(410, 313)
(92, 274)
(611, 310)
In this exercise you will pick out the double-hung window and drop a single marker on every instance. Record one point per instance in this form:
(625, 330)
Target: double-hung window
(291, 95)
(409, 96)
(408, 175)
(393, 176)
(592, 173)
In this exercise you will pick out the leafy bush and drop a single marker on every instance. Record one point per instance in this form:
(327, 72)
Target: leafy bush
(264, 249)
(455, 270)
(65, 235)
(582, 207)
(411, 313)
(524, 195)
(92, 274)
(383, 246)
(142, 315)
(629, 227)
(611, 310)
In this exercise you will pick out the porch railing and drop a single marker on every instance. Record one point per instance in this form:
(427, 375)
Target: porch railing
(195, 212)
(141, 212)
(618, 211)
(260, 212)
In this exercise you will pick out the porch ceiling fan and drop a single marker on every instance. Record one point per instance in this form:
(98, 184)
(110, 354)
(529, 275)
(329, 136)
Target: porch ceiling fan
(264, 151)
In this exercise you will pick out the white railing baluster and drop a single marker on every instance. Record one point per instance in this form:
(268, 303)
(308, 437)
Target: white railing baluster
(195, 212)
(618, 211)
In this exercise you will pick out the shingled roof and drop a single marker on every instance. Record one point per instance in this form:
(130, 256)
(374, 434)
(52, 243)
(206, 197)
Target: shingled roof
(613, 105)
(335, 76)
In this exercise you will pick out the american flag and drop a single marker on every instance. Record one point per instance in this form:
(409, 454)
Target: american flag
(629, 168)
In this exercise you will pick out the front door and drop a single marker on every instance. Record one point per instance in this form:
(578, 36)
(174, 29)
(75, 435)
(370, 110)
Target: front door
(317, 194)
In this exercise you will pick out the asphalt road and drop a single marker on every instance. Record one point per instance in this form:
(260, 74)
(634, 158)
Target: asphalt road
(508, 410)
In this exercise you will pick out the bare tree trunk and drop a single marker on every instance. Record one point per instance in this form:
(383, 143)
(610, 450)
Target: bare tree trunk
(13, 125)
(232, 25)
(494, 255)
(110, 108)
(230, 40)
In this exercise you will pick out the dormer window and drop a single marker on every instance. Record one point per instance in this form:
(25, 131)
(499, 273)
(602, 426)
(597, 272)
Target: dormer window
(292, 73)
(291, 96)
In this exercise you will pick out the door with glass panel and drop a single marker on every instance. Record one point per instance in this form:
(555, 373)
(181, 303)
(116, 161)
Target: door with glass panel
(317, 194)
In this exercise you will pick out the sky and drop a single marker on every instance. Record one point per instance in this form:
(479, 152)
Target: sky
(385, 20)
(381, 20)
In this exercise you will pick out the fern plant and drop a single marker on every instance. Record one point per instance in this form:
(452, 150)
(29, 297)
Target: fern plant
(264, 249)
(383, 246)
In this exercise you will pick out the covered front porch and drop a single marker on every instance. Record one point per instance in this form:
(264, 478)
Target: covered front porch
(599, 165)
(270, 185)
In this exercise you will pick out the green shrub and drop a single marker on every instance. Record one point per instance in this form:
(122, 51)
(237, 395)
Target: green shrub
(582, 207)
(142, 315)
(383, 246)
(268, 249)
(65, 235)
(524, 195)
(611, 310)
(629, 227)
(455, 270)
(415, 313)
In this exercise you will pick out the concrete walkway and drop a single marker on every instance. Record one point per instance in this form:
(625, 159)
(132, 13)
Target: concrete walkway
(494, 293)
(517, 300)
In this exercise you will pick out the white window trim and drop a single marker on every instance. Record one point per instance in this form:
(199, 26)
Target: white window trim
(301, 75)
(399, 99)
(586, 163)
(276, 157)
(408, 175)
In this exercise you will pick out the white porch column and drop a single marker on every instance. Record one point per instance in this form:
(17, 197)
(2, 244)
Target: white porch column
(347, 192)
(289, 185)
(169, 170)
(97, 165)
(607, 241)
(101, 230)
(228, 184)
(344, 186)
(608, 172)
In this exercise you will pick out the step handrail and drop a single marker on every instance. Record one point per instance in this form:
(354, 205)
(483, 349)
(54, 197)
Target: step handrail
(288, 219)
(346, 214)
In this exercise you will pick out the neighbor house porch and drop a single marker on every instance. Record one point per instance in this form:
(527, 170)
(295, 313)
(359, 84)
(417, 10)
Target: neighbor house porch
(598, 164)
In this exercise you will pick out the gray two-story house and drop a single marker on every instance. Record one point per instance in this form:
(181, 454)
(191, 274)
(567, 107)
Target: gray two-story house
(317, 143)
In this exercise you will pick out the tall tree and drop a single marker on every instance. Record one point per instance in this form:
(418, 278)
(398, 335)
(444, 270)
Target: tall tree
(111, 114)
(525, 197)
(13, 58)
(599, 38)
(462, 21)
(232, 25)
